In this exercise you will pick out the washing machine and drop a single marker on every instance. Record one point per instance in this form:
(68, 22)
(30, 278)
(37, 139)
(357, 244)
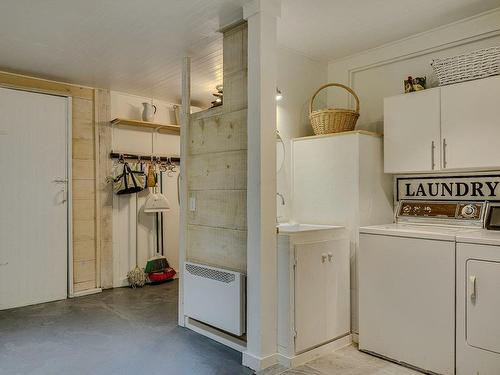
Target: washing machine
(407, 283)
(478, 299)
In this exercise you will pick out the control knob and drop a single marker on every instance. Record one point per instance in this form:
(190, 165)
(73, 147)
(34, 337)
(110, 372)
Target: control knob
(469, 211)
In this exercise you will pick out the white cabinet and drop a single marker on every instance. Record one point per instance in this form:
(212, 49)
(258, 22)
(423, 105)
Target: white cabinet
(455, 127)
(339, 179)
(411, 132)
(313, 289)
(470, 124)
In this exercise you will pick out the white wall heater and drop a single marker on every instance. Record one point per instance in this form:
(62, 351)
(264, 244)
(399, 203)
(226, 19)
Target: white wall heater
(215, 296)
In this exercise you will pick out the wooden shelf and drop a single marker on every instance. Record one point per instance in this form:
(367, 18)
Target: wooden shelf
(162, 128)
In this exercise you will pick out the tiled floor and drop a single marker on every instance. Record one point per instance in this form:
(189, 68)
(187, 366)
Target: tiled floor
(346, 361)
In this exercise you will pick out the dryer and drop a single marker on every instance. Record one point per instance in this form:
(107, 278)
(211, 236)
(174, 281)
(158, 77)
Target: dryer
(478, 303)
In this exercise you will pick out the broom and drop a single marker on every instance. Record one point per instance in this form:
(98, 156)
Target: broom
(136, 277)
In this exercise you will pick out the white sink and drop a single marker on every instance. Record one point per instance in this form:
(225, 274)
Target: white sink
(296, 227)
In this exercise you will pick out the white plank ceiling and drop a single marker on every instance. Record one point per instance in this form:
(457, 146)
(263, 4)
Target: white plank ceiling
(137, 46)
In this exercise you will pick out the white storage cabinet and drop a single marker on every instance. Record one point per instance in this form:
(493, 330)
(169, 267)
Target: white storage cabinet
(313, 289)
(455, 127)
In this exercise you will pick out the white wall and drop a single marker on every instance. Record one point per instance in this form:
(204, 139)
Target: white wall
(133, 140)
(298, 78)
(379, 72)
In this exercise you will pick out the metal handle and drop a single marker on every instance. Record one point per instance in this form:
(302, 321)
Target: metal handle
(444, 152)
(433, 147)
(59, 180)
(330, 257)
(65, 196)
(323, 257)
(473, 294)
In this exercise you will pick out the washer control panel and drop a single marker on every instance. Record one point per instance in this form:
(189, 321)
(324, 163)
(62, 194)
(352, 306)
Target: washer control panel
(471, 211)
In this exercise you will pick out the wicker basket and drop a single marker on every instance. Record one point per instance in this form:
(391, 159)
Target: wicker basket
(333, 120)
(474, 65)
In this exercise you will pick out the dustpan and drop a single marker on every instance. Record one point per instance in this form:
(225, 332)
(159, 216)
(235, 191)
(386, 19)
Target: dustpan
(156, 202)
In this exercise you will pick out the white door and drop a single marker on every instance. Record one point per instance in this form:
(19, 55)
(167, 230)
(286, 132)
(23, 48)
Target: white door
(407, 300)
(478, 309)
(310, 295)
(338, 308)
(411, 132)
(483, 305)
(33, 198)
(470, 124)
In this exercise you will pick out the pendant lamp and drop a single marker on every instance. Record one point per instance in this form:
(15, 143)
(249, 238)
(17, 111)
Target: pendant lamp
(156, 202)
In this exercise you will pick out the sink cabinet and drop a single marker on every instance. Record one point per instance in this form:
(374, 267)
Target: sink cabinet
(313, 289)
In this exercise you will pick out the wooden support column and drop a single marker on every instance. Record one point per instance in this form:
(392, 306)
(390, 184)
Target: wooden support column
(261, 197)
(183, 188)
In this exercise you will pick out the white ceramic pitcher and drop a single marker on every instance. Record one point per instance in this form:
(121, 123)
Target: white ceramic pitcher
(148, 112)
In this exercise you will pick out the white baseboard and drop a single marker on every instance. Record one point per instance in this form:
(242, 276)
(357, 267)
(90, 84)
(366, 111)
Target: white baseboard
(85, 292)
(259, 363)
(215, 334)
(355, 338)
(320, 351)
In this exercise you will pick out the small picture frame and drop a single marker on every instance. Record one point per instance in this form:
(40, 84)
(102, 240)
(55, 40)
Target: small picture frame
(415, 84)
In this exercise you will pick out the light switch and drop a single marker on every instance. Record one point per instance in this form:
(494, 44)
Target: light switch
(192, 202)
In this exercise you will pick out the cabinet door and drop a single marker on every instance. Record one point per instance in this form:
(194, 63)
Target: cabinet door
(338, 310)
(483, 305)
(470, 124)
(310, 294)
(411, 132)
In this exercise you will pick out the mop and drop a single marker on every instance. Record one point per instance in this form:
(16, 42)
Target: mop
(136, 277)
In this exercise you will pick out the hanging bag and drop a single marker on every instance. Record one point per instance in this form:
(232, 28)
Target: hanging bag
(129, 181)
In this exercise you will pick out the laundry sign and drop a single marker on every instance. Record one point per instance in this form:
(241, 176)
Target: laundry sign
(484, 187)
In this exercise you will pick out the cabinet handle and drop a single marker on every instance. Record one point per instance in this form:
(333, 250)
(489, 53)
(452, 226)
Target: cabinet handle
(444, 152)
(473, 293)
(323, 257)
(433, 147)
(330, 257)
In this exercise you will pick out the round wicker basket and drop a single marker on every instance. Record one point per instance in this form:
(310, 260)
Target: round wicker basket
(333, 120)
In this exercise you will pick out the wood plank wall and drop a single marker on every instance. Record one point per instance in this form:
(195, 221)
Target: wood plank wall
(217, 167)
(85, 158)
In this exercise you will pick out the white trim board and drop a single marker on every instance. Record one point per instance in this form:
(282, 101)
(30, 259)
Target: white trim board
(215, 334)
(257, 364)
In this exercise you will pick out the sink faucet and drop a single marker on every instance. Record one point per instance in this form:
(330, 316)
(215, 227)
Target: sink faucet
(282, 198)
(282, 203)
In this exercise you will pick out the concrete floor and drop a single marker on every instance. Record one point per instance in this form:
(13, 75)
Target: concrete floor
(120, 331)
(134, 331)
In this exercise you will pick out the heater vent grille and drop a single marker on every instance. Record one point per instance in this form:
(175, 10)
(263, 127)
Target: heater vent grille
(210, 273)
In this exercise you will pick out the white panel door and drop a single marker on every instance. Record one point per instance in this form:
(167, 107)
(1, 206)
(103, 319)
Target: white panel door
(338, 308)
(407, 300)
(470, 124)
(483, 305)
(33, 198)
(411, 132)
(310, 295)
